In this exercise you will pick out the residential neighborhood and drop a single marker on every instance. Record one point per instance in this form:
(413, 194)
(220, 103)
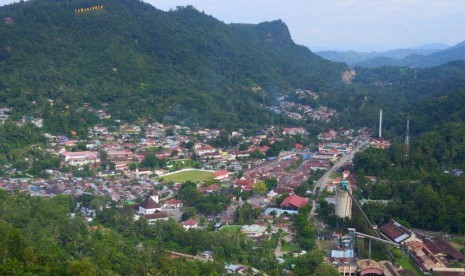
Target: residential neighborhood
(147, 168)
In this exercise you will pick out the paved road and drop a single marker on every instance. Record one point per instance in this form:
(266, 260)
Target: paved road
(320, 184)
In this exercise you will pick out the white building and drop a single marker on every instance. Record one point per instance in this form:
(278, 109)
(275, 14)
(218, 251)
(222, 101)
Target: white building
(150, 204)
(80, 158)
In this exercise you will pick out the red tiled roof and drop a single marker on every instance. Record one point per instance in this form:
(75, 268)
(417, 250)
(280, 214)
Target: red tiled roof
(244, 182)
(156, 215)
(440, 246)
(189, 222)
(213, 187)
(294, 200)
(221, 173)
(173, 201)
(149, 203)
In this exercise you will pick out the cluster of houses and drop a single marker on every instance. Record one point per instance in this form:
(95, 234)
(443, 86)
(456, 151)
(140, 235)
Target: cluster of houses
(340, 134)
(298, 111)
(118, 189)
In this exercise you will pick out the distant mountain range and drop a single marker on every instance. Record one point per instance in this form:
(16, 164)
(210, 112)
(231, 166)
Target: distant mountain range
(423, 56)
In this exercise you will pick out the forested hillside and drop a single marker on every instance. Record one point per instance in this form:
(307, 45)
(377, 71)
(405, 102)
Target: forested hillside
(41, 236)
(135, 61)
(426, 190)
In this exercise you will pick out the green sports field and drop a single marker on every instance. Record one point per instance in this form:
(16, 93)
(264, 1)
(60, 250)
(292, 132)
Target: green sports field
(195, 176)
(230, 228)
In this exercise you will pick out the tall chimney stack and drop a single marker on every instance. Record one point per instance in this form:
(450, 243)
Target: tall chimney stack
(380, 122)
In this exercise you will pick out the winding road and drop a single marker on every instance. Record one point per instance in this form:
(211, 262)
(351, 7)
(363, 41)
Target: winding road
(325, 178)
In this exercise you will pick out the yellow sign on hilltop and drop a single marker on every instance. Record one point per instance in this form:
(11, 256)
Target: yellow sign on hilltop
(93, 8)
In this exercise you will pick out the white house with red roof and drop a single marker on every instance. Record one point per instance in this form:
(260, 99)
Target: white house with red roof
(190, 224)
(293, 203)
(379, 143)
(221, 175)
(204, 150)
(211, 189)
(244, 184)
(173, 204)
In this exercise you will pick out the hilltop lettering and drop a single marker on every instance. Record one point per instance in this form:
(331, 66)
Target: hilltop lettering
(93, 8)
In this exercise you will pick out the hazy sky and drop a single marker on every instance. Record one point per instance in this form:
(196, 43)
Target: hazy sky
(345, 24)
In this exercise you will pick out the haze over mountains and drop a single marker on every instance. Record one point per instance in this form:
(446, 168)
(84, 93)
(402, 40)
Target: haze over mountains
(423, 56)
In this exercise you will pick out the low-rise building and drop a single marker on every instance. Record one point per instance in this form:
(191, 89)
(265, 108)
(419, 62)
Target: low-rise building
(293, 203)
(253, 230)
(173, 204)
(397, 233)
(80, 158)
(190, 224)
(221, 175)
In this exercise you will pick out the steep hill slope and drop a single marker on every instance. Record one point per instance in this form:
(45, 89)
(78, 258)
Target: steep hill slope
(136, 61)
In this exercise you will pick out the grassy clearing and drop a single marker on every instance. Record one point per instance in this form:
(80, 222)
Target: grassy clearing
(459, 241)
(195, 176)
(289, 247)
(334, 175)
(324, 245)
(230, 228)
(407, 264)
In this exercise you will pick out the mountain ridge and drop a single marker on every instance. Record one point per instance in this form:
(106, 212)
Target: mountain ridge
(412, 57)
(138, 61)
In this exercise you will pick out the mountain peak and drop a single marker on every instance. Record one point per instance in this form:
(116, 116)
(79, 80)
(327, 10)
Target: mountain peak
(134, 61)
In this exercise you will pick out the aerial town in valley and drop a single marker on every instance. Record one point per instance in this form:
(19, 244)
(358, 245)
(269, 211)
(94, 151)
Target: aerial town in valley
(143, 137)
(144, 166)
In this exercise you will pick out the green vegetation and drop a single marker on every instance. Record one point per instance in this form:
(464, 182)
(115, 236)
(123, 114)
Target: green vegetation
(290, 247)
(39, 237)
(23, 148)
(305, 232)
(407, 264)
(137, 61)
(246, 214)
(231, 228)
(205, 204)
(191, 175)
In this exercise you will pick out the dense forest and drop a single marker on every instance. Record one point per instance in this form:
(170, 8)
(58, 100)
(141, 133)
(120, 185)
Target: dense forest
(425, 191)
(50, 237)
(136, 61)
(399, 91)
